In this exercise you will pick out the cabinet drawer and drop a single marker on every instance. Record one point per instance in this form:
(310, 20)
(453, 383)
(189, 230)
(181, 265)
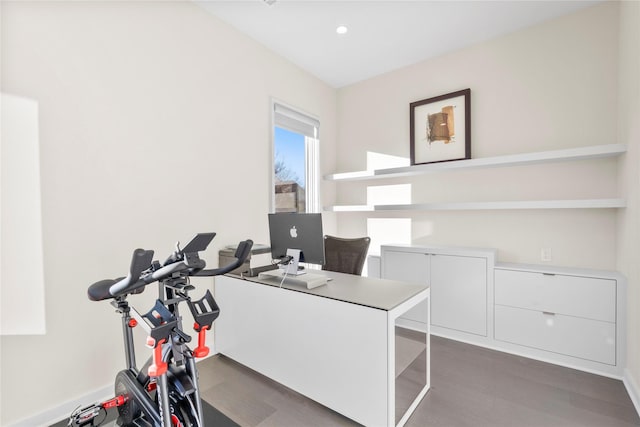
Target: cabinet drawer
(572, 336)
(586, 297)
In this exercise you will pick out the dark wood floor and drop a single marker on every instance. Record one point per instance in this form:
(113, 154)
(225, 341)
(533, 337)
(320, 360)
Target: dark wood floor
(470, 386)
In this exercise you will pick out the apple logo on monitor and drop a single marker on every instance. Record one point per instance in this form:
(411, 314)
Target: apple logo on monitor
(293, 232)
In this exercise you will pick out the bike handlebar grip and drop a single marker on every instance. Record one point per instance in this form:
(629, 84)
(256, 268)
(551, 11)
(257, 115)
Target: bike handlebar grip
(242, 252)
(140, 261)
(100, 290)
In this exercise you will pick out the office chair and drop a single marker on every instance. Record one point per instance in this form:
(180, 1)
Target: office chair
(345, 255)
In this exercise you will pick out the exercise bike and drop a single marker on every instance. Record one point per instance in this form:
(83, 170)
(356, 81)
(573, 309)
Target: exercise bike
(164, 391)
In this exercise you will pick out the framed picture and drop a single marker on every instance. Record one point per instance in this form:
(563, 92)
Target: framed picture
(441, 128)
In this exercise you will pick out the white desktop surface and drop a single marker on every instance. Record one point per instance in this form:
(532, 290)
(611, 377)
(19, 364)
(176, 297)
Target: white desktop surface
(371, 292)
(334, 344)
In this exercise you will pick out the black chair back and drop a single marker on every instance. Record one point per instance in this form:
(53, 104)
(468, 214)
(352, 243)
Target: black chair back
(345, 255)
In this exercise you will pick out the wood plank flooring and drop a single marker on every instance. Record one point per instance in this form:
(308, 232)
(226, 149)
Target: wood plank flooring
(471, 386)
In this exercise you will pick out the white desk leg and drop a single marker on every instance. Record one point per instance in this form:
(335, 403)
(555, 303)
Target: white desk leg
(393, 316)
(391, 371)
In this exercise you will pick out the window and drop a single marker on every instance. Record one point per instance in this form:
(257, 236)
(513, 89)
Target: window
(295, 161)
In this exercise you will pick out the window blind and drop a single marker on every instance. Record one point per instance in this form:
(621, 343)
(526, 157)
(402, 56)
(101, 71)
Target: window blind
(294, 121)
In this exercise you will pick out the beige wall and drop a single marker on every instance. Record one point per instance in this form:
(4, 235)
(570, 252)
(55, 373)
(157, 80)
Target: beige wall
(154, 125)
(629, 219)
(548, 87)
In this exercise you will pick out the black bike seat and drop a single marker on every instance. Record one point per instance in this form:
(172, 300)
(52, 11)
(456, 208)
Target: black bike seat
(100, 290)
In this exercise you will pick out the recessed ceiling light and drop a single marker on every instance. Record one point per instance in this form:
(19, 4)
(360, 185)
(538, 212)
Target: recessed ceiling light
(342, 29)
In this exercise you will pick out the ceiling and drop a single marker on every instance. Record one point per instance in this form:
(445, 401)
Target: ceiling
(382, 35)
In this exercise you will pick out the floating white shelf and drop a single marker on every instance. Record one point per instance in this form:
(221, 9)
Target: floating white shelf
(527, 204)
(350, 208)
(570, 154)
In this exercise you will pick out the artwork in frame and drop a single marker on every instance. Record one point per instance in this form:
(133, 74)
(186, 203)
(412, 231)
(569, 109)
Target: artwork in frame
(441, 128)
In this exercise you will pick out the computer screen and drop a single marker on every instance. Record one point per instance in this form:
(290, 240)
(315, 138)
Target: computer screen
(302, 231)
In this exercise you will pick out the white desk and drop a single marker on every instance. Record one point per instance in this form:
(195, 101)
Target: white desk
(335, 344)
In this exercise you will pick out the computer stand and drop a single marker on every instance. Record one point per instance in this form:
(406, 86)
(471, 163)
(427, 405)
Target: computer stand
(291, 267)
(309, 280)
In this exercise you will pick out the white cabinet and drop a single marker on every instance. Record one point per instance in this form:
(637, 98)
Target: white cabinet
(561, 311)
(459, 284)
(568, 316)
(373, 266)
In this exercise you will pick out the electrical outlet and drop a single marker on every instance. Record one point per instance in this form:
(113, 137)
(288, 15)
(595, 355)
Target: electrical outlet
(545, 255)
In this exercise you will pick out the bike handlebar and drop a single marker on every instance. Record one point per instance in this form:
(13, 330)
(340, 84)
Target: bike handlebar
(140, 261)
(184, 262)
(242, 253)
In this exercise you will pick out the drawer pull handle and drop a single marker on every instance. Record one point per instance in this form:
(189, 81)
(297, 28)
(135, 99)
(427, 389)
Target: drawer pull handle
(549, 313)
(548, 274)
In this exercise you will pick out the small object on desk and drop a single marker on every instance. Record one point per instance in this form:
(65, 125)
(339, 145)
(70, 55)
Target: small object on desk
(309, 280)
(257, 248)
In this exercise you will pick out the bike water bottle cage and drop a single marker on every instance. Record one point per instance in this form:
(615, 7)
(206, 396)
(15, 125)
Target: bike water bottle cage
(204, 311)
(160, 322)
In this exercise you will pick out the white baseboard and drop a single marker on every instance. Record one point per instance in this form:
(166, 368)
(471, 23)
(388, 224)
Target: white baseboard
(61, 412)
(632, 389)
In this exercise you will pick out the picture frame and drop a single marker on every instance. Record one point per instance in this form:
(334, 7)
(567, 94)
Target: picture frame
(440, 128)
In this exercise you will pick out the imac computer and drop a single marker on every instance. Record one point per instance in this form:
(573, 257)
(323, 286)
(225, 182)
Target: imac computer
(296, 237)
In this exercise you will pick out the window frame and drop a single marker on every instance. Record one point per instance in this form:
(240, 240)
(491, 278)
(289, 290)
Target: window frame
(312, 154)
